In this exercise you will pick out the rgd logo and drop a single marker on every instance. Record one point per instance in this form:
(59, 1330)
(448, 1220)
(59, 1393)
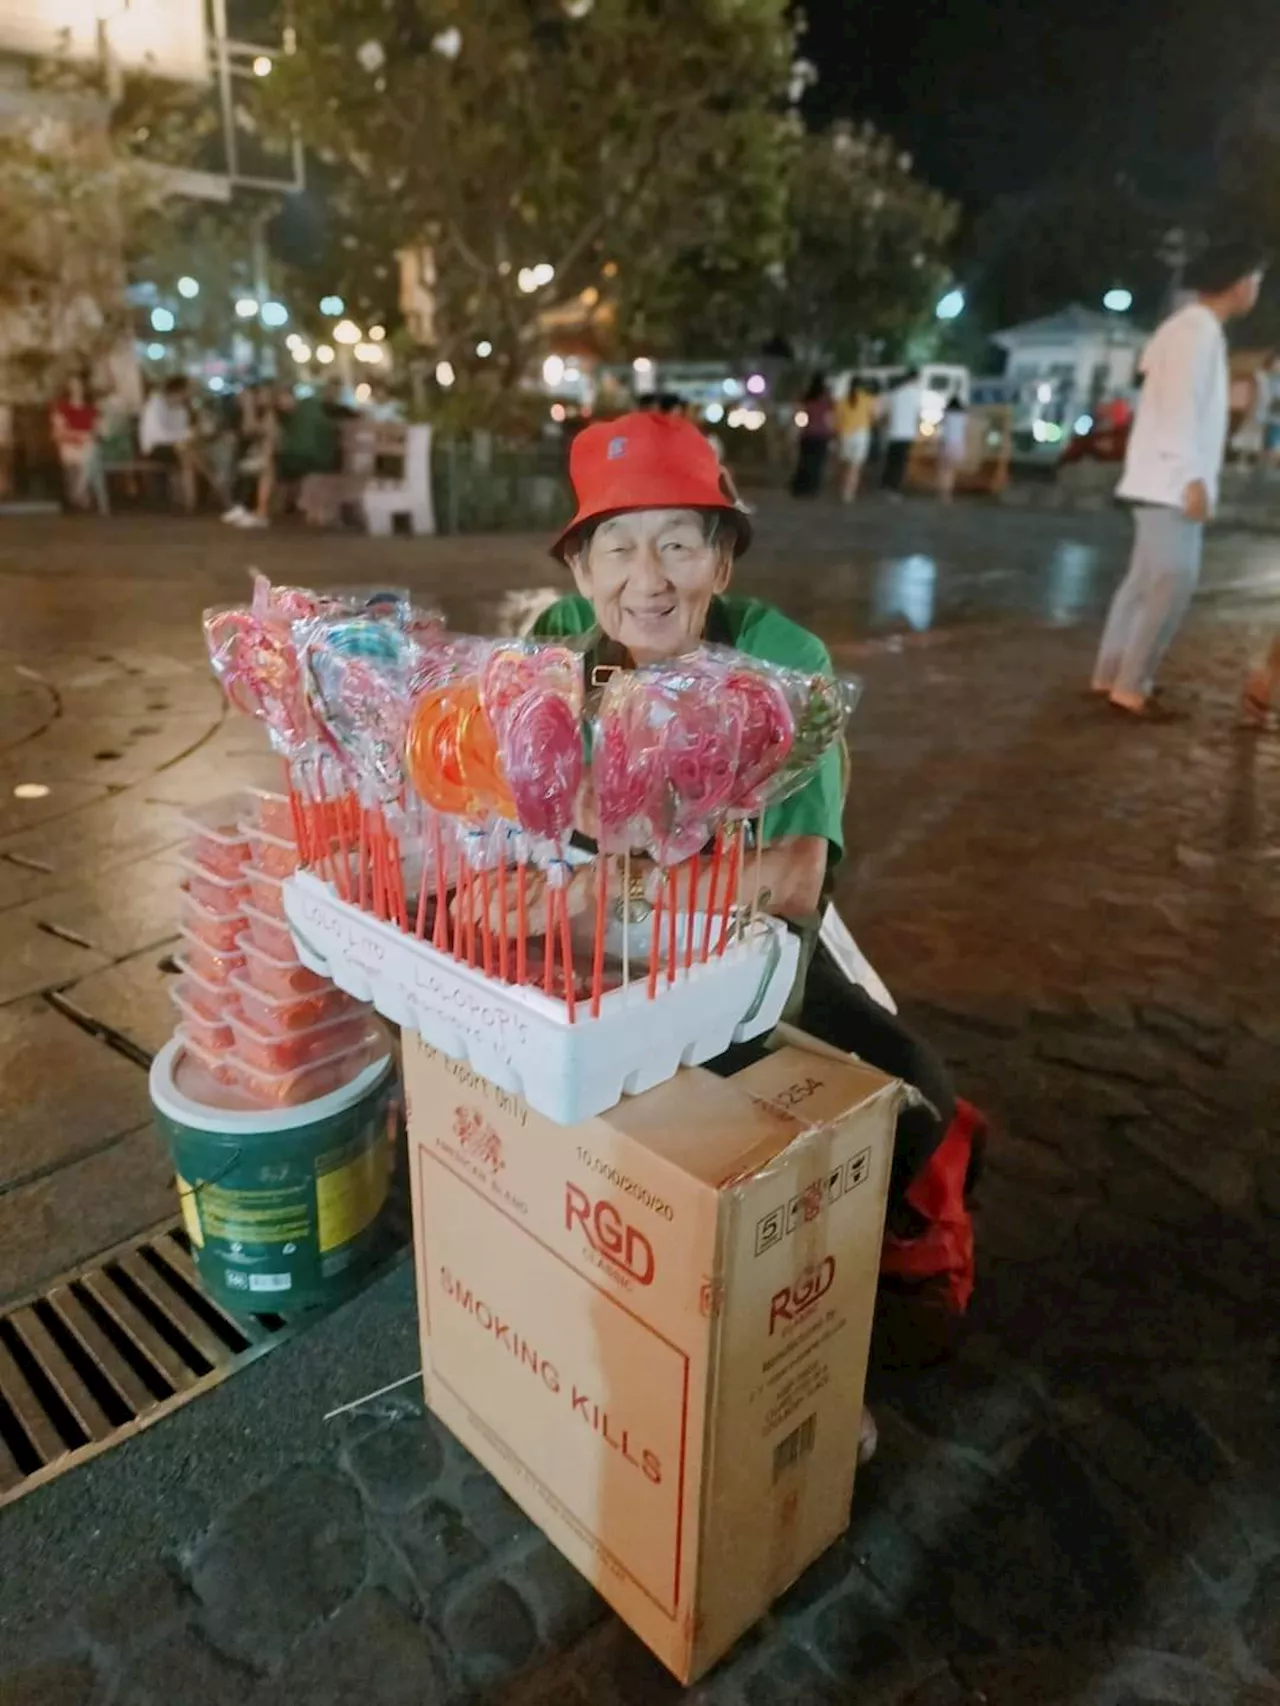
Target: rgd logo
(623, 1246)
(795, 1301)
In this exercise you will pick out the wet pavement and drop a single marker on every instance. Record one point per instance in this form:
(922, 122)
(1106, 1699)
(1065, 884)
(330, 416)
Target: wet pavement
(1081, 1506)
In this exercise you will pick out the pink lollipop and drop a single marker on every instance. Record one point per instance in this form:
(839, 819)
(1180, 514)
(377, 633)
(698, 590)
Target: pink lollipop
(540, 739)
(625, 761)
(257, 663)
(768, 732)
(697, 773)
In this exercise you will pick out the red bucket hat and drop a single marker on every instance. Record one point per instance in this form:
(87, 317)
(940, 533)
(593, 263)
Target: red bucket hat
(643, 461)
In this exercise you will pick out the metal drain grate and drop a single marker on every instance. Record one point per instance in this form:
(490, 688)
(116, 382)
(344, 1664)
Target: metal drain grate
(108, 1350)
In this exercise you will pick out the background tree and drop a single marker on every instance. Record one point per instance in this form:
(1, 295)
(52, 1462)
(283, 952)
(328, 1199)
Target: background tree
(69, 203)
(867, 252)
(596, 137)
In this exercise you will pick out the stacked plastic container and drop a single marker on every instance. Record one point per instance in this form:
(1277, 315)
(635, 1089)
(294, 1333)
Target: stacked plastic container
(249, 1011)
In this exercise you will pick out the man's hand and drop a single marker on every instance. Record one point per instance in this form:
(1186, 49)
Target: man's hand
(1195, 501)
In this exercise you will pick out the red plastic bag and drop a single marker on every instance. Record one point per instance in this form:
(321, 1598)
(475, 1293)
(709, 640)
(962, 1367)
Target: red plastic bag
(942, 1253)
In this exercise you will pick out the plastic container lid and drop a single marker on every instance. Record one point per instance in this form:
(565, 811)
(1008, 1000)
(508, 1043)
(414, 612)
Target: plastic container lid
(250, 1117)
(219, 819)
(251, 951)
(231, 961)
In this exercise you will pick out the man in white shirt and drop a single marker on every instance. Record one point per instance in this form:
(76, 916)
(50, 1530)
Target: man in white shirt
(902, 412)
(1171, 474)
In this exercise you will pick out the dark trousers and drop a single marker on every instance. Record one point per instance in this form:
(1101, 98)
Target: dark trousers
(811, 462)
(840, 1013)
(895, 463)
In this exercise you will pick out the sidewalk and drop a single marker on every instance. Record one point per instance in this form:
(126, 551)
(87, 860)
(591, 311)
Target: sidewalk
(1082, 1507)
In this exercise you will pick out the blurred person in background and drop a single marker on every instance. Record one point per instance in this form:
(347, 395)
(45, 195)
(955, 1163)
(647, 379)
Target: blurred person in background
(817, 427)
(953, 439)
(901, 410)
(75, 421)
(166, 435)
(1172, 467)
(855, 416)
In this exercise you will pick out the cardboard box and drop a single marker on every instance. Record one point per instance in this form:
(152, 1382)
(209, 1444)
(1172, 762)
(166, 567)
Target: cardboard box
(652, 1328)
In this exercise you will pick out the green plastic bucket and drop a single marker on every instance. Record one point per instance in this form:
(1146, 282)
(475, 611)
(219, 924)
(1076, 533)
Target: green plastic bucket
(281, 1207)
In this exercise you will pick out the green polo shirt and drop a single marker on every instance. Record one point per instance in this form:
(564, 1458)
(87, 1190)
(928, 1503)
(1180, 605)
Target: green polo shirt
(760, 631)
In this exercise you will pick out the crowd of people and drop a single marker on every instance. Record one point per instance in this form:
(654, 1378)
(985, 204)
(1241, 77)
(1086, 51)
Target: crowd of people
(240, 449)
(867, 422)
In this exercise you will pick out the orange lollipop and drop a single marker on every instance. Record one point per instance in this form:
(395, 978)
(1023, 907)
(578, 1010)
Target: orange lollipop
(431, 750)
(478, 760)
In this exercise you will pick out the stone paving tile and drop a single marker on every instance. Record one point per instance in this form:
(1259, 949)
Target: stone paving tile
(118, 920)
(279, 1564)
(32, 960)
(66, 1216)
(370, 1653)
(62, 1092)
(67, 792)
(131, 998)
(182, 1666)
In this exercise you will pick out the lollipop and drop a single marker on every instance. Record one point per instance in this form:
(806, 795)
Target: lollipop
(768, 734)
(540, 736)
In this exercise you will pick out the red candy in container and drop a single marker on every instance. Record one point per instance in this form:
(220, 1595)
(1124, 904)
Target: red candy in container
(251, 1014)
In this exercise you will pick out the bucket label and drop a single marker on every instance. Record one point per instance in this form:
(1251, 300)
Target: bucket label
(351, 1186)
(281, 1216)
(190, 1215)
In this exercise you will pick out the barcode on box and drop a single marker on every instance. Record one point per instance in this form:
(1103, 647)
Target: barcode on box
(270, 1282)
(798, 1443)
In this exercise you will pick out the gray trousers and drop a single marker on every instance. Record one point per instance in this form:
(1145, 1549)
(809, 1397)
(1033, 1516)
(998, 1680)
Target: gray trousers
(1151, 601)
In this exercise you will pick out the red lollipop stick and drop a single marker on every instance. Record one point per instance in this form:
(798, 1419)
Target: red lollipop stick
(420, 922)
(712, 891)
(566, 954)
(522, 921)
(695, 874)
(673, 921)
(459, 904)
(486, 929)
(502, 910)
(655, 945)
(361, 856)
(549, 941)
(730, 892)
(440, 935)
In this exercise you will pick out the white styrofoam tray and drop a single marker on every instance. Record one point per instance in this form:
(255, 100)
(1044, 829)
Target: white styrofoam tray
(519, 1038)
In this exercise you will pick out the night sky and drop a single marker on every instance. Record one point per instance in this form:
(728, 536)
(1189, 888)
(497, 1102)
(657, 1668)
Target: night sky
(992, 96)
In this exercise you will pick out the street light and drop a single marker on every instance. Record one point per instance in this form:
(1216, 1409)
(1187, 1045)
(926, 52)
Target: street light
(162, 319)
(484, 349)
(347, 332)
(377, 334)
(262, 65)
(188, 287)
(246, 307)
(332, 306)
(553, 371)
(951, 306)
(156, 352)
(1119, 300)
(445, 375)
(275, 314)
(324, 354)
